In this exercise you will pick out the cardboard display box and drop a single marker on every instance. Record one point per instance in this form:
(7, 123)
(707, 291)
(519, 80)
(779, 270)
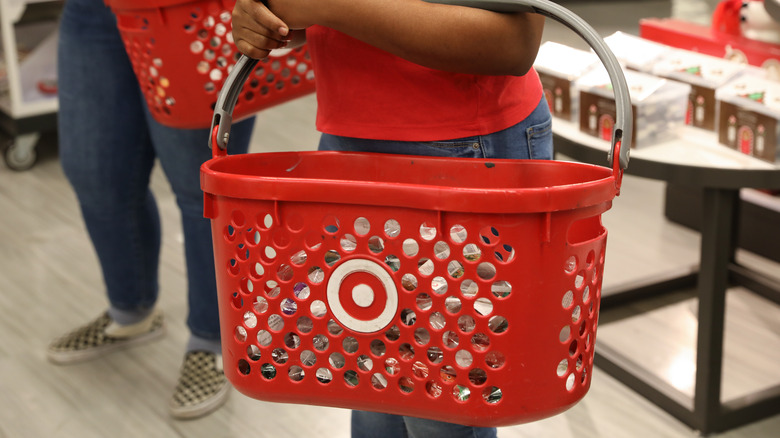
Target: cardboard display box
(634, 52)
(658, 106)
(748, 113)
(558, 67)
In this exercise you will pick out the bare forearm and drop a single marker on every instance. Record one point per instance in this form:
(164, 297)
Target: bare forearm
(443, 37)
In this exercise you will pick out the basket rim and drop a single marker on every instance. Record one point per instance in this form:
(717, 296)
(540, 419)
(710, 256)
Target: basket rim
(145, 4)
(218, 179)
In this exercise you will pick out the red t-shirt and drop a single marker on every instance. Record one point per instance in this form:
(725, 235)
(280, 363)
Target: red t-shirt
(368, 93)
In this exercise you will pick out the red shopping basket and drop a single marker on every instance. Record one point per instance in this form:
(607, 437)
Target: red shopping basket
(182, 51)
(461, 290)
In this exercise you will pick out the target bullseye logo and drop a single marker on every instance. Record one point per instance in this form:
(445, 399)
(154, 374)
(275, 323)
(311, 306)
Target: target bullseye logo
(362, 295)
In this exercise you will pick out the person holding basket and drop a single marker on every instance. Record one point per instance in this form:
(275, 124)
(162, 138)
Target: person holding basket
(411, 77)
(109, 143)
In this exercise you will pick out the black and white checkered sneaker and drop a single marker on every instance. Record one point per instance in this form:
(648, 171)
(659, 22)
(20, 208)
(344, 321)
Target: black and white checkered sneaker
(202, 386)
(103, 336)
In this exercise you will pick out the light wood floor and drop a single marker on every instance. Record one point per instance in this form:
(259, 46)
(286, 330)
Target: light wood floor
(49, 283)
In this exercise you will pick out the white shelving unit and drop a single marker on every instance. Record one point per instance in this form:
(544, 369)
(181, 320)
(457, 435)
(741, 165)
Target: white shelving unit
(28, 29)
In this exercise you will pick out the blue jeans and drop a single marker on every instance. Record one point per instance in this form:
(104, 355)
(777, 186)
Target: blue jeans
(531, 138)
(108, 146)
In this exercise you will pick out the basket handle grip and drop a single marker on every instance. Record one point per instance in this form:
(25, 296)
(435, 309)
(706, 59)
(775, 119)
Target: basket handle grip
(622, 133)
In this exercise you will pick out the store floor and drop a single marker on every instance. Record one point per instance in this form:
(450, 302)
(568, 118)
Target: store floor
(49, 283)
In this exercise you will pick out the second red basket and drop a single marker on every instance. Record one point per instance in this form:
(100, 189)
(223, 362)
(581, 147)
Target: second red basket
(182, 51)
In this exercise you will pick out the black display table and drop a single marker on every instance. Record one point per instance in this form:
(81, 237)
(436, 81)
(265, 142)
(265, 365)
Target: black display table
(695, 160)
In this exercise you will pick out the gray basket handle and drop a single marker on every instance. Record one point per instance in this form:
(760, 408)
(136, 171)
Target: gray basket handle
(226, 102)
(623, 121)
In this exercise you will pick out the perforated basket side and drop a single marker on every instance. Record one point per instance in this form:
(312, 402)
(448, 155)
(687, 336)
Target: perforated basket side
(490, 323)
(182, 53)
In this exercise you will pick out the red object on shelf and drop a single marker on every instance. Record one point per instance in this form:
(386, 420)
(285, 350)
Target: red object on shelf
(710, 40)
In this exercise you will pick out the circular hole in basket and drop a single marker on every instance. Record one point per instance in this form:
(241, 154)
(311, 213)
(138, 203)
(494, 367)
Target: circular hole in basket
(279, 356)
(331, 224)
(378, 348)
(410, 247)
(437, 321)
(376, 245)
(365, 363)
(570, 265)
(324, 375)
(392, 366)
(393, 333)
(421, 336)
(259, 269)
(264, 338)
(435, 355)
(586, 294)
(348, 242)
(441, 250)
(247, 286)
(420, 370)
(408, 317)
(362, 226)
(305, 324)
(498, 324)
(271, 289)
(256, 237)
(463, 358)
(320, 342)
(579, 280)
(483, 306)
(477, 376)
(243, 367)
(349, 344)
(406, 385)
(565, 333)
(269, 254)
(495, 359)
(378, 381)
(447, 373)
(455, 269)
(406, 351)
(505, 253)
(583, 328)
(458, 233)
(570, 382)
(233, 268)
(469, 288)
(336, 360)
(466, 323)
(409, 282)
(230, 233)
(250, 320)
(284, 272)
(425, 266)
(351, 378)
(331, 257)
(316, 275)
(424, 301)
(203, 66)
(215, 75)
(210, 87)
(568, 299)
(579, 363)
(237, 301)
(427, 231)
(220, 29)
(433, 389)
(486, 271)
(573, 348)
(501, 289)
(393, 262)
(450, 339)
(392, 228)
(334, 328)
(253, 353)
(268, 371)
(492, 394)
(275, 323)
(301, 291)
(576, 314)
(452, 304)
(240, 334)
(439, 285)
(296, 373)
(489, 235)
(471, 252)
(563, 366)
(308, 358)
(292, 341)
(196, 47)
(480, 342)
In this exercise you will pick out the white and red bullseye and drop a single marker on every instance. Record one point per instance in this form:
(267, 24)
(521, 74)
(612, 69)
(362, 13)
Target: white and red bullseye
(362, 295)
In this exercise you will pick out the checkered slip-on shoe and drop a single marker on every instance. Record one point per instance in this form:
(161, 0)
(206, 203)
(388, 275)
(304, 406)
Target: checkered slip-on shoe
(103, 336)
(202, 386)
